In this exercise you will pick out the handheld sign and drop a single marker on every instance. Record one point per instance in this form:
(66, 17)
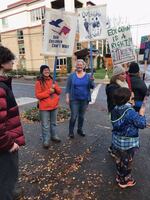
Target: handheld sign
(92, 26)
(59, 33)
(92, 23)
(121, 45)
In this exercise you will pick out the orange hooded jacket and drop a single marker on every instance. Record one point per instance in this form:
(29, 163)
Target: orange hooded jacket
(47, 100)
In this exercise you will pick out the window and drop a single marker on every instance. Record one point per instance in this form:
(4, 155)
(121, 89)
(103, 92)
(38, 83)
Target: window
(20, 34)
(21, 48)
(61, 62)
(37, 14)
(78, 46)
(5, 22)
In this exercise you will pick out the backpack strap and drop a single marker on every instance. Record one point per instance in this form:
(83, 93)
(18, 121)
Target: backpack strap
(11, 102)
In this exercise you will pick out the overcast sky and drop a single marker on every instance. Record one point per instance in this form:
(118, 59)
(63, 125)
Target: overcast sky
(132, 11)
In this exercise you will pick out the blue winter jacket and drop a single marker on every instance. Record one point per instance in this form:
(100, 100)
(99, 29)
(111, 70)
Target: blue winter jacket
(70, 86)
(126, 121)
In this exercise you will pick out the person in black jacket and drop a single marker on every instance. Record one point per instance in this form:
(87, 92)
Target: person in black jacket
(117, 80)
(138, 86)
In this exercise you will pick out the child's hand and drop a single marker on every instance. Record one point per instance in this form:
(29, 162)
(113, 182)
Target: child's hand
(142, 110)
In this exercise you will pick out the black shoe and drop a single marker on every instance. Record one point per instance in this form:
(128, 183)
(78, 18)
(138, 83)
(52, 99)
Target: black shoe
(45, 145)
(18, 193)
(80, 132)
(55, 139)
(71, 135)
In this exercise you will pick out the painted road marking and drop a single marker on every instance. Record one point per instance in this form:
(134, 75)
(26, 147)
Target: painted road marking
(25, 100)
(95, 93)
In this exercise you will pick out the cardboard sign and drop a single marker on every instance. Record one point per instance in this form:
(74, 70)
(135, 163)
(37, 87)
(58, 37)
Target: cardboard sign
(59, 33)
(121, 45)
(92, 23)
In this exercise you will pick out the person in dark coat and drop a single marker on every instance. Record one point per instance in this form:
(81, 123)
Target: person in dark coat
(11, 132)
(138, 86)
(117, 80)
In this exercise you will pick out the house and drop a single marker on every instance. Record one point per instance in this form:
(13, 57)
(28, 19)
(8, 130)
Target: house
(21, 30)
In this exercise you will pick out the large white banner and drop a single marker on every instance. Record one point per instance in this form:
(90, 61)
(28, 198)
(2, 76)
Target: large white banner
(121, 45)
(59, 33)
(92, 23)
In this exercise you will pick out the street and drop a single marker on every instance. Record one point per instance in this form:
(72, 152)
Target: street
(81, 168)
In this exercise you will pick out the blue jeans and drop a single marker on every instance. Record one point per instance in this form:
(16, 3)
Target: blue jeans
(8, 174)
(78, 108)
(48, 122)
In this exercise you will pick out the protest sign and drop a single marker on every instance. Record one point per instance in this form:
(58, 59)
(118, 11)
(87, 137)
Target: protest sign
(145, 43)
(121, 45)
(92, 23)
(59, 33)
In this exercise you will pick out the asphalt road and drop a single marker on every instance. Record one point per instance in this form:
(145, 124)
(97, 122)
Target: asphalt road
(78, 169)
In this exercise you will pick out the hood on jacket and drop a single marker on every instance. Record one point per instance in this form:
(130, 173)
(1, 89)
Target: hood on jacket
(118, 113)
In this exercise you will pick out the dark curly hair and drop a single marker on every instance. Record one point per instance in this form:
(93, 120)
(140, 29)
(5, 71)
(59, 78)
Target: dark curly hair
(5, 55)
(121, 96)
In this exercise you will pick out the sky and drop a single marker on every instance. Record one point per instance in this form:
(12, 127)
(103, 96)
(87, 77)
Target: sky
(129, 11)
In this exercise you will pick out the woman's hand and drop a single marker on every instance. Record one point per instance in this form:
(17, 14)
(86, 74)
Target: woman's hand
(67, 99)
(52, 90)
(92, 78)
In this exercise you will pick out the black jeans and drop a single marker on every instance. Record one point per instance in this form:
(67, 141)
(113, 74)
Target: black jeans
(124, 160)
(78, 108)
(8, 174)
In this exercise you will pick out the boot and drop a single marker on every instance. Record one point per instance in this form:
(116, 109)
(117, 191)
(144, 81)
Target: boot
(46, 145)
(71, 135)
(80, 132)
(55, 138)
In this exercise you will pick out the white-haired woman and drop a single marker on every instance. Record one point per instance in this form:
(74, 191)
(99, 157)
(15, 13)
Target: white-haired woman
(78, 96)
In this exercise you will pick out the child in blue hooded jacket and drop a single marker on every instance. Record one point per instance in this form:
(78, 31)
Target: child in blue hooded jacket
(126, 123)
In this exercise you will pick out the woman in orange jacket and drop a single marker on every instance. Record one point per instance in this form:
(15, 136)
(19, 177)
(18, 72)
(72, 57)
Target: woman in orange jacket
(48, 95)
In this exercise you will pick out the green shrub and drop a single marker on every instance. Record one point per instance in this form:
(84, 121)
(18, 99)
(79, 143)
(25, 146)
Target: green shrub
(33, 114)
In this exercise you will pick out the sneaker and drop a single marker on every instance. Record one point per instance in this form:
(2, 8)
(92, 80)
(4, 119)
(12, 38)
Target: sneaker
(111, 152)
(130, 183)
(117, 179)
(80, 132)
